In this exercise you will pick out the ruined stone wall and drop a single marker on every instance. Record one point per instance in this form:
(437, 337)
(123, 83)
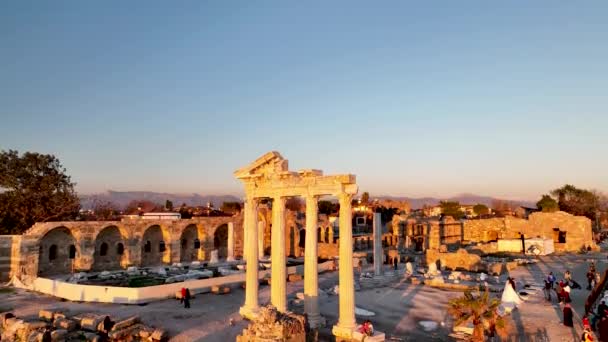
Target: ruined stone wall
(577, 230)
(61, 247)
(9, 255)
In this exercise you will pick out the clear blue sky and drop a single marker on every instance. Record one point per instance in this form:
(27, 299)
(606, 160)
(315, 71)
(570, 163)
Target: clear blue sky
(435, 98)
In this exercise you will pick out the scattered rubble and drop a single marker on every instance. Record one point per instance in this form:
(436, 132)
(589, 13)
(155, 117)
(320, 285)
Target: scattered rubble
(272, 325)
(84, 327)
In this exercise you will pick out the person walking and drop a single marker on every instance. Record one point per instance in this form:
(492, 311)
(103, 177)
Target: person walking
(183, 291)
(590, 279)
(395, 263)
(187, 299)
(547, 290)
(568, 315)
(551, 279)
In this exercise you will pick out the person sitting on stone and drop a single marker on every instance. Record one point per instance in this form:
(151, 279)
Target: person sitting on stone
(366, 328)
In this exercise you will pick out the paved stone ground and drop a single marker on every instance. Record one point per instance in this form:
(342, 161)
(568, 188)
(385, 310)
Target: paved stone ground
(398, 307)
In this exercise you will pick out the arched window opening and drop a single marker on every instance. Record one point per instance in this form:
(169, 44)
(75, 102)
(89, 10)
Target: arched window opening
(197, 243)
(148, 247)
(72, 252)
(53, 252)
(120, 249)
(103, 249)
(161, 247)
(184, 243)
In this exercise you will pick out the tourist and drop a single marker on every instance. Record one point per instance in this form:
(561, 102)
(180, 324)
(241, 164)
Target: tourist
(187, 299)
(601, 309)
(547, 290)
(512, 282)
(181, 300)
(395, 263)
(568, 315)
(568, 276)
(360, 266)
(587, 336)
(46, 336)
(551, 279)
(603, 328)
(366, 328)
(590, 279)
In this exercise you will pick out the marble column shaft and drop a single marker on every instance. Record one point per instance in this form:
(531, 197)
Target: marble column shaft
(251, 306)
(311, 281)
(230, 252)
(278, 283)
(378, 253)
(346, 321)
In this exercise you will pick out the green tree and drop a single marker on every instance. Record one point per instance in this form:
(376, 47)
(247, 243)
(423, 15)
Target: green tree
(328, 207)
(481, 310)
(230, 207)
(168, 205)
(547, 204)
(451, 208)
(577, 201)
(34, 188)
(481, 209)
(365, 198)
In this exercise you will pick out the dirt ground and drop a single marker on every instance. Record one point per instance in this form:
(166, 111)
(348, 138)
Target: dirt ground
(398, 307)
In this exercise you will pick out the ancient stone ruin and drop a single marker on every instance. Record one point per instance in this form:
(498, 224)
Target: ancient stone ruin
(272, 325)
(62, 326)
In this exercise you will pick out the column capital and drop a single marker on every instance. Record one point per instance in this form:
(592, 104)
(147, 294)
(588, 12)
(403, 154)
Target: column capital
(345, 197)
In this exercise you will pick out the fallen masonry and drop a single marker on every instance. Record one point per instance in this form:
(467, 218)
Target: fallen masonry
(272, 325)
(83, 327)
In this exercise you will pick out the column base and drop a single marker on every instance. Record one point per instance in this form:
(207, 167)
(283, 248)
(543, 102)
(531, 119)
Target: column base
(343, 332)
(249, 313)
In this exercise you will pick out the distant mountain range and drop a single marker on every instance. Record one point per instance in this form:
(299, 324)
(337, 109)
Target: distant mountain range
(417, 203)
(122, 198)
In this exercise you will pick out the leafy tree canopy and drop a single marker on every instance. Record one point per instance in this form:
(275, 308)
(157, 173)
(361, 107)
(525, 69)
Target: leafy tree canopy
(451, 208)
(577, 201)
(547, 204)
(328, 207)
(34, 188)
(481, 209)
(365, 198)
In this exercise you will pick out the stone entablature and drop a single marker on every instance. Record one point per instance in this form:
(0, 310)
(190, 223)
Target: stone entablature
(63, 247)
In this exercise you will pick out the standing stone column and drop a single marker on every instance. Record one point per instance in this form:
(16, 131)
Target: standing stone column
(251, 306)
(261, 228)
(346, 322)
(230, 252)
(311, 274)
(378, 252)
(278, 282)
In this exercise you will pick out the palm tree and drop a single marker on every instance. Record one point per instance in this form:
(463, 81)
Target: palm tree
(481, 310)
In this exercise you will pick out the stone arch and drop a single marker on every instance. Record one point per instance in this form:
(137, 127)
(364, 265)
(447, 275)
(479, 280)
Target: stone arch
(320, 235)
(220, 240)
(106, 255)
(190, 243)
(55, 249)
(155, 246)
(327, 235)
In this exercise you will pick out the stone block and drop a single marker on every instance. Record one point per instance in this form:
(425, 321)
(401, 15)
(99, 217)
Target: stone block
(414, 281)
(219, 290)
(123, 334)
(66, 324)
(46, 315)
(159, 335)
(496, 268)
(511, 265)
(90, 323)
(294, 278)
(5, 316)
(125, 323)
(59, 335)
